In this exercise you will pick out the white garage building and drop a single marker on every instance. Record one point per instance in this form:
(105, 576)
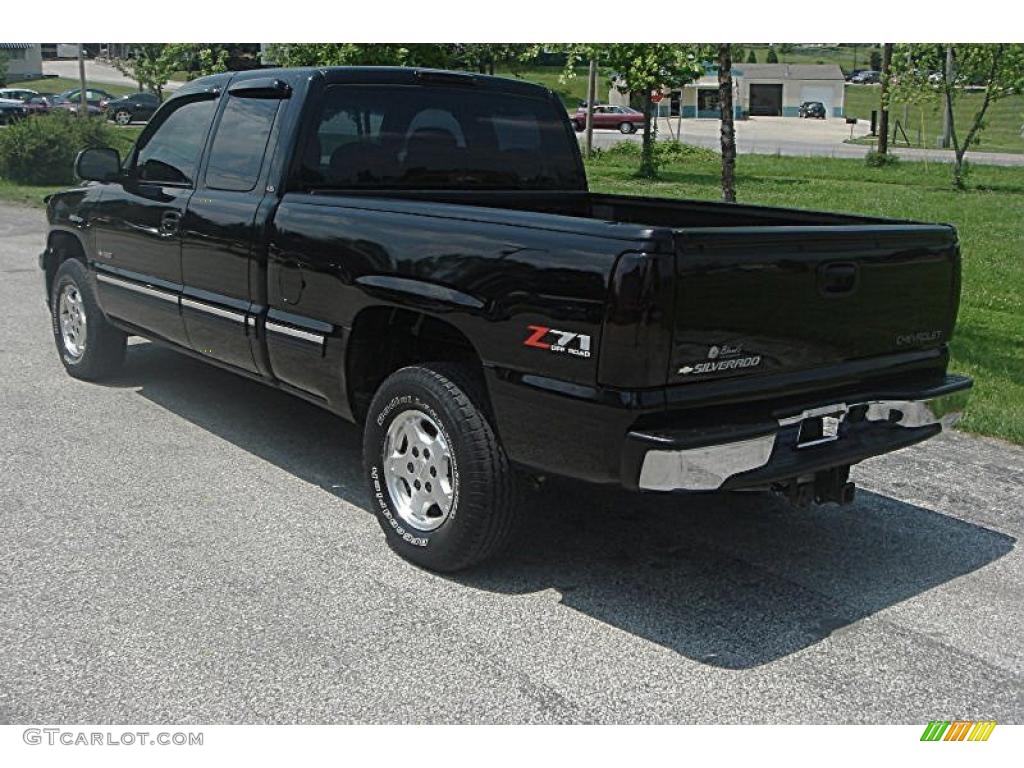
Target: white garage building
(779, 89)
(761, 90)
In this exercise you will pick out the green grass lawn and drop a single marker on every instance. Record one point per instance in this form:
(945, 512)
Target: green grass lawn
(989, 342)
(846, 57)
(571, 92)
(924, 122)
(58, 84)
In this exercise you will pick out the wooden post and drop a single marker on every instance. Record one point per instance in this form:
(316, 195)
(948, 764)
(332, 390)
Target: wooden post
(83, 101)
(591, 95)
(883, 122)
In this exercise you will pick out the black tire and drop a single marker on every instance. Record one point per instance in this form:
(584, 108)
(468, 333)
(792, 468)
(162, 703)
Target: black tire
(102, 351)
(627, 128)
(484, 510)
(123, 117)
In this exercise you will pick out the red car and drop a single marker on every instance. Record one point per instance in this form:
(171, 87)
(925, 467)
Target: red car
(623, 119)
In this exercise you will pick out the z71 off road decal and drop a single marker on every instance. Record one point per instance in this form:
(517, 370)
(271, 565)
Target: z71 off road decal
(553, 340)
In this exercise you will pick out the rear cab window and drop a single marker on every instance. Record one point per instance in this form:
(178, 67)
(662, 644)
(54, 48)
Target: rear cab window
(433, 137)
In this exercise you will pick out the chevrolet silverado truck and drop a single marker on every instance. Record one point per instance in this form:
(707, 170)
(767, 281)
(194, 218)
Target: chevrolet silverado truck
(417, 251)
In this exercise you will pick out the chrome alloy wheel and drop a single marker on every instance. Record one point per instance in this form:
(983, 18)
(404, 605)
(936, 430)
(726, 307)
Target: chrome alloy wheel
(418, 470)
(72, 321)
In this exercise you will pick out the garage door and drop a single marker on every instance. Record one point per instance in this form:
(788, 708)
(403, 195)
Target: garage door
(822, 93)
(766, 100)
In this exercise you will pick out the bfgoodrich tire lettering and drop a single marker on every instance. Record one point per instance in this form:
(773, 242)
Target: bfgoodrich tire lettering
(483, 510)
(91, 348)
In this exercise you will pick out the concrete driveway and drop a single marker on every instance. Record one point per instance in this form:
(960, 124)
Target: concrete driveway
(795, 137)
(182, 545)
(98, 72)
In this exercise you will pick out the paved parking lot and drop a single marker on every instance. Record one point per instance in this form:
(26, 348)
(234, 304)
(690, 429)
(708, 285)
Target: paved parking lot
(795, 137)
(184, 545)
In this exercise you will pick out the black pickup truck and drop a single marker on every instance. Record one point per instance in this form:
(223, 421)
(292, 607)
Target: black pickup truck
(417, 251)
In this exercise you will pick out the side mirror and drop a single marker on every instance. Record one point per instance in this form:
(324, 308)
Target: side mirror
(98, 164)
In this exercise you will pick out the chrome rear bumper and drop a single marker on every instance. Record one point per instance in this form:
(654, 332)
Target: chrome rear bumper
(843, 433)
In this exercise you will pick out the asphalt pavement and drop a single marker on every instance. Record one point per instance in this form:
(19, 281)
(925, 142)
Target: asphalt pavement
(794, 137)
(182, 545)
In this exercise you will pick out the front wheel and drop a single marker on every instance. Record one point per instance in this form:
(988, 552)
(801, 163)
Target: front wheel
(440, 483)
(123, 117)
(89, 346)
(627, 128)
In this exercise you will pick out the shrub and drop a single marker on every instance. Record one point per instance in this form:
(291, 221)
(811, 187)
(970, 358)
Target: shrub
(665, 153)
(42, 150)
(875, 159)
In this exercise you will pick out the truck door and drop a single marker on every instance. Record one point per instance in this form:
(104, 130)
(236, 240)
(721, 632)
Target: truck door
(219, 268)
(137, 221)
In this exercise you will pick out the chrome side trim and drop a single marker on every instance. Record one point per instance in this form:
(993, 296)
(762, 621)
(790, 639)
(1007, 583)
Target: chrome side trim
(229, 314)
(704, 469)
(143, 289)
(287, 330)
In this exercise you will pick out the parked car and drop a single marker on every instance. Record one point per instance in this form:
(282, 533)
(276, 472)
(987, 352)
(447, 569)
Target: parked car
(623, 119)
(136, 107)
(11, 110)
(813, 109)
(17, 94)
(39, 104)
(423, 257)
(852, 74)
(93, 96)
(866, 77)
(74, 107)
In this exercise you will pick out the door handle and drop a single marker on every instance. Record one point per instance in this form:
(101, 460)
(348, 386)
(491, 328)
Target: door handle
(837, 279)
(169, 222)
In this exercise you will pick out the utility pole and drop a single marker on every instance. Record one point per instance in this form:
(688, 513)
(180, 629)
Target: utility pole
(83, 101)
(883, 122)
(947, 117)
(591, 95)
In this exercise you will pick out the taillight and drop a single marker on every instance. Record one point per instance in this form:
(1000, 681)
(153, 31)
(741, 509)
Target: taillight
(636, 339)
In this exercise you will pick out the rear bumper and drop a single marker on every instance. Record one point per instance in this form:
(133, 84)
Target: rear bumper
(794, 443)
(715, 440)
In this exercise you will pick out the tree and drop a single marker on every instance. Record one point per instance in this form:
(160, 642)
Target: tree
(883, 124)
(772, 57)
(752, 57)
(153, 64)
(364, 54)
(641, 68)
(876, 61)
(994, 70)
(728, 132)
(3, 68)
(484, 57)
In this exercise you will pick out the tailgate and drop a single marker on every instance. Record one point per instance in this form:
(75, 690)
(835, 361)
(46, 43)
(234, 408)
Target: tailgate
(763, 300)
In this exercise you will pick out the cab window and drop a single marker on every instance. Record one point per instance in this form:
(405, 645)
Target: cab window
(170, 153)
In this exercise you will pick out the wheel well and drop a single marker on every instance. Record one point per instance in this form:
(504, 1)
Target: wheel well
(60, 247)
(384, 339)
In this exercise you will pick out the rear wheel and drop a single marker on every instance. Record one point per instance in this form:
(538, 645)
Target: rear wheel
(627, 128)
(440, 483)
(89, 346)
